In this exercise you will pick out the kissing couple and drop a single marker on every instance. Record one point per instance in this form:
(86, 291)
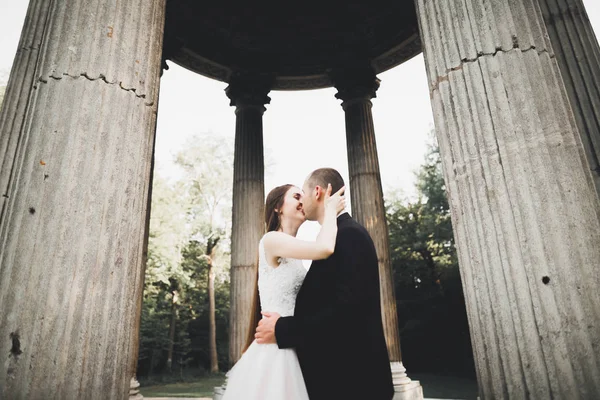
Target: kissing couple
(321, 333)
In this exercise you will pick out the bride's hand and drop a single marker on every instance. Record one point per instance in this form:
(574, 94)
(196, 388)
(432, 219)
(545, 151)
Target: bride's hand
(335, 203)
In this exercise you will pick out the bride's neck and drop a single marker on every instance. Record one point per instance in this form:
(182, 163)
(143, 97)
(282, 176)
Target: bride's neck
(288, 228)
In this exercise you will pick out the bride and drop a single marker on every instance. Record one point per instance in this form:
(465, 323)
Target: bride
(264, 371)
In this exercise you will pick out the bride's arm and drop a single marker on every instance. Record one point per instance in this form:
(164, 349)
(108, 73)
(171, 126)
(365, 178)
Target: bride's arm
(279, 244)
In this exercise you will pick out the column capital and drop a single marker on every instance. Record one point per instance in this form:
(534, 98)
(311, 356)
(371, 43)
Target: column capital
(356, 83)
(249, 90)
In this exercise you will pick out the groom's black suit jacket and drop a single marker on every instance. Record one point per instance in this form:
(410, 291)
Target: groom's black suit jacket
(337, 328)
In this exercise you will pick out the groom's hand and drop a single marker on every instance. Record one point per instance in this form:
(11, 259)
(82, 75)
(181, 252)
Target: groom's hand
(265, 332)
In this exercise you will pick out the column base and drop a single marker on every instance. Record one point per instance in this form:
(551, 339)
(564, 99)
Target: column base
(219, 392)
(408, 391)
(134, 392)
(404, 387)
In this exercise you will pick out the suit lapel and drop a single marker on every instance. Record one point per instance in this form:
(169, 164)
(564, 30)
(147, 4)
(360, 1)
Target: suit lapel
(313, 270)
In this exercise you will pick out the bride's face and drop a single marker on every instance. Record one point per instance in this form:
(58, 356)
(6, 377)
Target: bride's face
(292, 209)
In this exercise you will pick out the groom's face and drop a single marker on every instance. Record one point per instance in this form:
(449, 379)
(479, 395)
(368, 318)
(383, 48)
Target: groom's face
(309, 201)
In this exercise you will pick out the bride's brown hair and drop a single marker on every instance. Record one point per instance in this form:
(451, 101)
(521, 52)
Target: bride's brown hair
(273, 204)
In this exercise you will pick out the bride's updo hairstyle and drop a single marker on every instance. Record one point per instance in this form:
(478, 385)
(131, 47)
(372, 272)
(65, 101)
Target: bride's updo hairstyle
(273, 204)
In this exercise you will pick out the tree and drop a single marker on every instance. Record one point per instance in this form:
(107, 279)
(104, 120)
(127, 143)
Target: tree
(207, 163)
(163, 275)
(426, 275)
(186, 299)
(421, 237)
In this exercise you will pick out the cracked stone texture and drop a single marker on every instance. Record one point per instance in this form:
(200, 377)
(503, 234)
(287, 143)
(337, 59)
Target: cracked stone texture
(524, 210)
(99, 78)
(578, 55)
(77, 142)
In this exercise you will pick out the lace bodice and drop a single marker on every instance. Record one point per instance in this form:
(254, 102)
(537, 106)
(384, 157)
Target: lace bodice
(279, 286)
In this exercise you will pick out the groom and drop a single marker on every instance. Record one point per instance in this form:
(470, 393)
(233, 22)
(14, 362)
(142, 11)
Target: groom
(336, 328)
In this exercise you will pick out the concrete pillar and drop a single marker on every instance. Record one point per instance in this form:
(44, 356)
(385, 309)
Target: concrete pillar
(578, 54)
(524, 209)
(75, 173)
(356, 87)
(249, 95)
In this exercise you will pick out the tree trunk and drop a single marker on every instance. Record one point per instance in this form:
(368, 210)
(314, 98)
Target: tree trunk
(212, 331)
(172, 331)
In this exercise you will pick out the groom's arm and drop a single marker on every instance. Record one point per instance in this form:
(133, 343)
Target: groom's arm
(351, 289)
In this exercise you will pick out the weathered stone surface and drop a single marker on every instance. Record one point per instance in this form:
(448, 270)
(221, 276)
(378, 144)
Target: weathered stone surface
(524, 210)
(248, 207)
(578, 55)
(72, 225)
(12, 110)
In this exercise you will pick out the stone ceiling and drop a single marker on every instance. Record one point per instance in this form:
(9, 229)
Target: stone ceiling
(296, 45)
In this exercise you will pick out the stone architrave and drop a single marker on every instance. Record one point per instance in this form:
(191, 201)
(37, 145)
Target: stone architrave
(578, 54)
(77, 134)
(524, 210)
(249, 95)
(356, 87)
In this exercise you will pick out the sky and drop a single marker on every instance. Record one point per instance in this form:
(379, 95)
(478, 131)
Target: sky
(302, 130)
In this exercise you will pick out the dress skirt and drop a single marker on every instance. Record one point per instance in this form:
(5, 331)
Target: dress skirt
(266, 372)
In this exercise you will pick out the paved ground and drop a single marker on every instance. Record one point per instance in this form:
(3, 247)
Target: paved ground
(435, 387)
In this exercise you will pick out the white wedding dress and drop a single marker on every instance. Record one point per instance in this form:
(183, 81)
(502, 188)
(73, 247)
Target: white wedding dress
(266, 372)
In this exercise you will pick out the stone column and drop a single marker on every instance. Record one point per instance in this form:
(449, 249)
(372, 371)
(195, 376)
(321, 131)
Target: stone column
(249, 95)
(524, 210)
(356, 87)
(82, 101)
(20, 84)
(578, 54)
(134, 392)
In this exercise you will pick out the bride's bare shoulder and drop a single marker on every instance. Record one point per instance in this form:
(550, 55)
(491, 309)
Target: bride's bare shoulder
(272, 236)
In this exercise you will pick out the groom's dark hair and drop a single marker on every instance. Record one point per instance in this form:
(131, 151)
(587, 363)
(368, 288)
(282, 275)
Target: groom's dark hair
(323, 176)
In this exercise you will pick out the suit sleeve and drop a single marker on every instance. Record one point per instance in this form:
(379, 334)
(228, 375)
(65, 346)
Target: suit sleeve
(350, 291)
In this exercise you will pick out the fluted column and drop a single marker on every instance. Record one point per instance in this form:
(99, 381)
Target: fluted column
(249, 95)
(20, 85)
(578, 54)
(356, 87)
(524, 209)
(134, 392)
(77, 135)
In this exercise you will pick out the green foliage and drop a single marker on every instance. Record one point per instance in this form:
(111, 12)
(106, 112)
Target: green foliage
(426, 275)
(154, 332)
(168, 233)
(421, 237)
(186, 214)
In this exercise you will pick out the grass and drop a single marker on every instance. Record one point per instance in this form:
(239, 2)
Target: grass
(204, 387)
(446, 387)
